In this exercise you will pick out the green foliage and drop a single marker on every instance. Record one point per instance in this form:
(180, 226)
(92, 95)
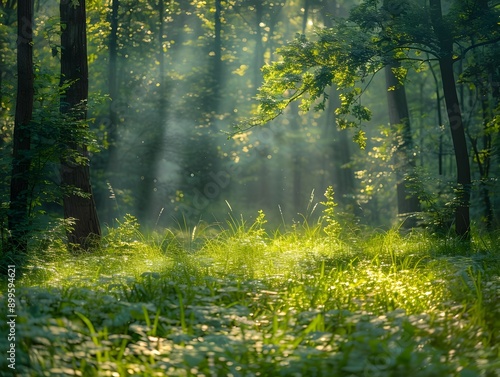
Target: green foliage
(125, 235)
(437, 210)
(340, 57)
(247, 245)
(332, 227)
(249, 304)
(54, 138)
(348, 54)
(355, 49)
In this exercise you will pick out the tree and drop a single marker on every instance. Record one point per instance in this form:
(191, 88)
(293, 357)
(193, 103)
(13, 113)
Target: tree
(338, 151)
(217, 56)
(113, 82)
(399, 118)
(21, 162)
(78, 200)
(150, 204)
(479, 77)
(8, 18)
(445, 55)
(354, 50)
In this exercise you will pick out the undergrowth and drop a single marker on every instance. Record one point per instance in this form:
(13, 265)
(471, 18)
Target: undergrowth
(235, 300)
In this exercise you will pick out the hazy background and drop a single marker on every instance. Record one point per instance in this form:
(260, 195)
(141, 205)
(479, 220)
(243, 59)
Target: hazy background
(182, 75)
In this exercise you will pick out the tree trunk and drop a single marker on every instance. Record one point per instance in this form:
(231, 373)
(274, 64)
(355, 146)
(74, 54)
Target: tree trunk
(483, 157)
(78, 200)
(440, 122)
(338, 157)
(404, 163)
(263, 177)
(217, 67)
(108, 206)
(259, 47)
(484, 160)
(112, 80)
(338, 151)
(305, 17)
(21, 162)
(150, 201)
(462, 216)
(485, 170)
(297, 159)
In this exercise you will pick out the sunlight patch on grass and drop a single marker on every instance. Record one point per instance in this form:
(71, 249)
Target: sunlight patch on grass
(245, 303)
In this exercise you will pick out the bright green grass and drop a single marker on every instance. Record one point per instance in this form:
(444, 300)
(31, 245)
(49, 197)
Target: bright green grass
(240, 302)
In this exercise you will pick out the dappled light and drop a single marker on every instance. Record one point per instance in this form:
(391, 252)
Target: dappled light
(249, 188)
(244, 302)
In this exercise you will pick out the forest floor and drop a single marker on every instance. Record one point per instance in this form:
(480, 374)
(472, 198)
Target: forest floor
(243, 302)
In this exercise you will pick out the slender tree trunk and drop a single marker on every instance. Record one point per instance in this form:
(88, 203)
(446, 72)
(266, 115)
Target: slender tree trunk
(338, 157)
(306, 16)
(338, 148)
(259, 47)
(272, 25)
(484, 158)
(108, 206)
(421, 127)
(263, 180)
(297, 160)
(21, 162)
(112, 80)
(161, 59)
(487, 146)
(155, 204)
(149, 200)
(440, 121)
(329, 162)
(404, 163)
(78, 200)
(217, 68)
(462, 216)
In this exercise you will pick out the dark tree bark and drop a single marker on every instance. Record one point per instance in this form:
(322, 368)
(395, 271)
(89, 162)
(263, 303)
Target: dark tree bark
(78, 200)
(440, 121)
(443, 34)
(483, 158)
(19, 206)
(404, 163)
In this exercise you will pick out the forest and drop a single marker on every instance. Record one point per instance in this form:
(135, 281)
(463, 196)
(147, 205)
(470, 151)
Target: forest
(249, 188)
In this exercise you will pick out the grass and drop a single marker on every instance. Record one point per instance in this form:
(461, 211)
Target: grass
(240, 301)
